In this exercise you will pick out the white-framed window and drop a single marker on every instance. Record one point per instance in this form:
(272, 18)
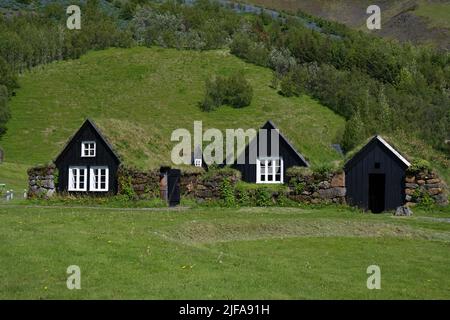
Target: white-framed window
(198, 162)
(269, 170)
(77, 179)
(99, 179)
(88, 149)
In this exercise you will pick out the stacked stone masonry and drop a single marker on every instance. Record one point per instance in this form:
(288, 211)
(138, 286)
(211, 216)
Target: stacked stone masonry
(425, 184)
(42, 181)
(317, 188)
(303, 187)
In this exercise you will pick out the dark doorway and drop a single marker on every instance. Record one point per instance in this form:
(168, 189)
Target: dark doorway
(173, 187)
(377, 186)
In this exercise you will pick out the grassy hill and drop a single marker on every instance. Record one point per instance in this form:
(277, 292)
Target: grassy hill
(139, 96)
(418, 21)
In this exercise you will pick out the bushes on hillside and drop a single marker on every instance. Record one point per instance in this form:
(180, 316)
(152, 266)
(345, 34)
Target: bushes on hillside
(4, 109)
(234, 91)
(164, 29)
(205, 25)
(246, 48)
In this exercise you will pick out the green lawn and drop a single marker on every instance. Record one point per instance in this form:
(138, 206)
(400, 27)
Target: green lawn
(207, 253)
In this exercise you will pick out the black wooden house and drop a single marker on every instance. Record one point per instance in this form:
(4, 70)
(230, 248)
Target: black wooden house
(88, 163)
(375, 177)
(264, 162)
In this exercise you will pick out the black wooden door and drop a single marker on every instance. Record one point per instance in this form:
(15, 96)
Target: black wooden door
(377, 190)
(173, 185)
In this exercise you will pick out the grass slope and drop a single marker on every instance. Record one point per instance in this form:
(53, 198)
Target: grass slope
(14, 176)
(251, 253)
(437, 13)
(139, 96)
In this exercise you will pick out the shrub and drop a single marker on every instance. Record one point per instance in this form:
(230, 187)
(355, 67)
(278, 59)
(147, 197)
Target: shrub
(126, 188)
(263, 197)
(227, 193)
(419, 165)
(234, 91)
(281, 61)
(299, 171)
(323, 169)
(298, 186)
(354, 132)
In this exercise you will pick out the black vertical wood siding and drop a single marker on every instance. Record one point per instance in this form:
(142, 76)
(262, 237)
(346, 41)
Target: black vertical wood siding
(357, 172)
(290, 156)
(71, 156)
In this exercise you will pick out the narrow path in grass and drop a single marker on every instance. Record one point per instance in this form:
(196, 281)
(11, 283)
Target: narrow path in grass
(94, 207)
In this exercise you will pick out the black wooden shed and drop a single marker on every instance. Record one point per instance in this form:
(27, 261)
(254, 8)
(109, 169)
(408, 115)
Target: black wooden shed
(375, 177)
(88, 163)
(270, 164)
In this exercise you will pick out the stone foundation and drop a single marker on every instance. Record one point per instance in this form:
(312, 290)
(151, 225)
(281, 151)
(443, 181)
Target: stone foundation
(42, 181)
(139, 184)
(315, 188)
(425, 185)
(207, 185)
(303, 185)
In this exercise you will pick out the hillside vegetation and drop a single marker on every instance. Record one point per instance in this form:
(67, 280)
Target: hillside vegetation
(418, 21)
(377, 86)
(139, 96)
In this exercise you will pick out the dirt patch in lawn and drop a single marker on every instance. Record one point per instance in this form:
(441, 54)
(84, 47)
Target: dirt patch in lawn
(210, 232)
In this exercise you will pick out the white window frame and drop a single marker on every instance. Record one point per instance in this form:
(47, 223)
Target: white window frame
(198, 162)
(262, 163)
(84, 149)
(74, 181)
(93, 177)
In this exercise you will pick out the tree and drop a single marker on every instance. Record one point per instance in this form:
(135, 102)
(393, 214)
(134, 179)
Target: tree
(354, 132)
(4, 109)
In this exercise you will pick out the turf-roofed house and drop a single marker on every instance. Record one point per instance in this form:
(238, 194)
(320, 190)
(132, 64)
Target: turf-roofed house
(265, 163)
(375, 177)
(88, 163)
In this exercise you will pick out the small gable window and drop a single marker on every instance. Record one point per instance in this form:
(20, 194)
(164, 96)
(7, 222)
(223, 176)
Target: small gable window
(88, 149)
(99, 177)
(77, 179)
(198, 162)
(269, 170)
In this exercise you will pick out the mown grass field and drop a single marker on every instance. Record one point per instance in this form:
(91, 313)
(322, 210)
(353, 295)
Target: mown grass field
(139, 96)
(208, 253)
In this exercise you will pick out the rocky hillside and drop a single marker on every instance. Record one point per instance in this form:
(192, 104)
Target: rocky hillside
(418, 21)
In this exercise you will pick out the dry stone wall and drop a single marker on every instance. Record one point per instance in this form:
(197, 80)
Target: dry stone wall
(303, 186)
(423, 186)
(137, 183)
(316, 188)
(207, 185)
(42, 181)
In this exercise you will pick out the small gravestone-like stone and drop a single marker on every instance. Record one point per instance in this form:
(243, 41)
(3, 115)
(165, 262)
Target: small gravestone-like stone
(403, 211)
